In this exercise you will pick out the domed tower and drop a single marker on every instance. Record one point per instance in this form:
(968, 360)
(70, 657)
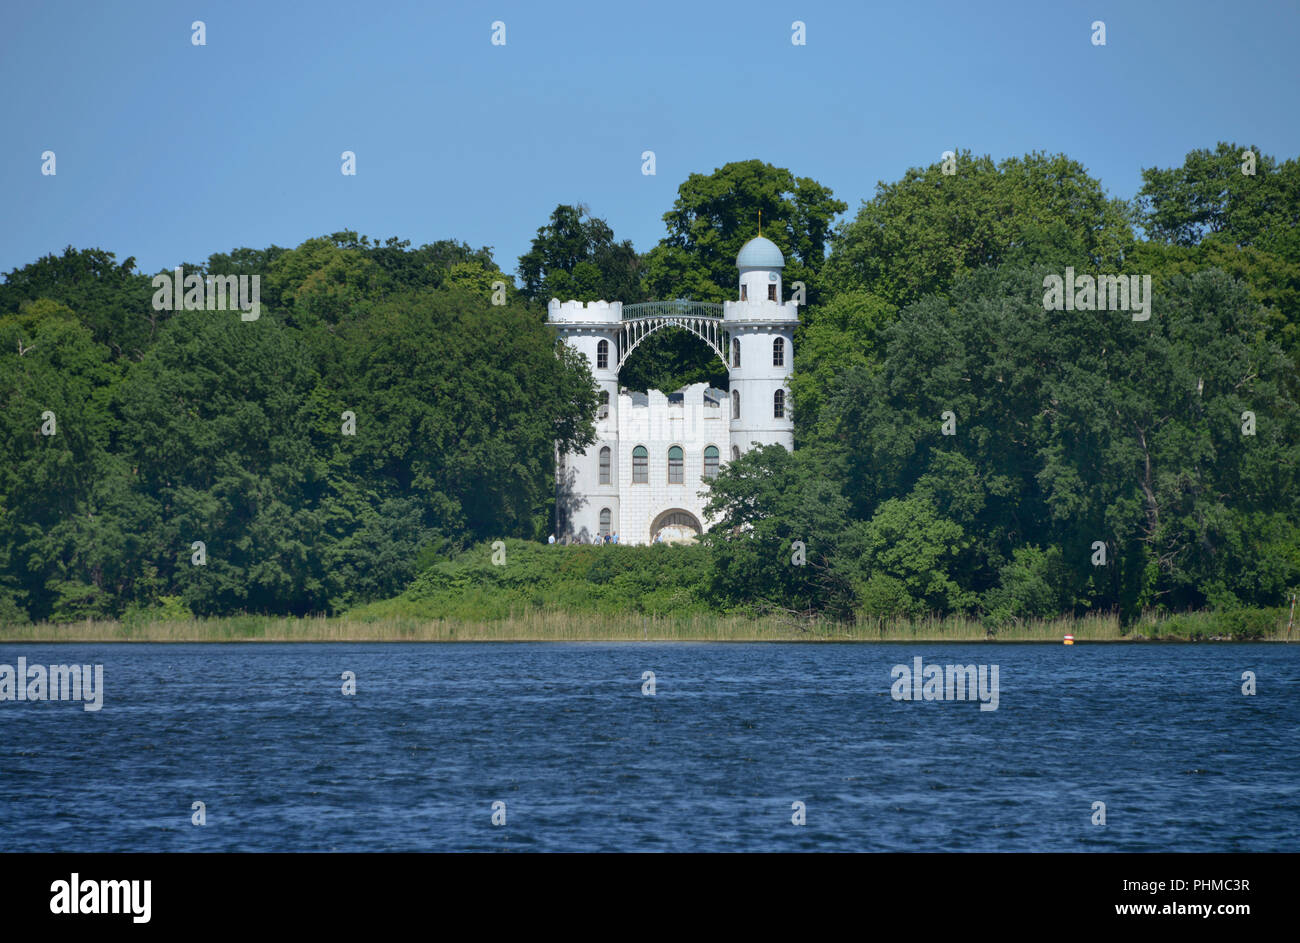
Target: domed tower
(587, 484)
(760, 357)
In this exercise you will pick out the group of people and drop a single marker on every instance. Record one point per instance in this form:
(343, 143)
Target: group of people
(595, 539)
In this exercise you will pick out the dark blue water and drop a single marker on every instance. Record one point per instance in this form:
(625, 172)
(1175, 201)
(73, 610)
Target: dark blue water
(562, 734)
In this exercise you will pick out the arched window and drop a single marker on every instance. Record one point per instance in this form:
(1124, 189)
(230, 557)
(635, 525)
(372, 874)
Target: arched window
(603, 410)
(711, 462)
(735, 404)
(604, 465)
(640, 466)
(778, 352)
(778, 404)
(675, 465)
(735, 351)
(735, 453)
(602, 355)
(604, 521)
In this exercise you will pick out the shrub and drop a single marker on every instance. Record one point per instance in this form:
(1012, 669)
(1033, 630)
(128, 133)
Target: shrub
(883, 597)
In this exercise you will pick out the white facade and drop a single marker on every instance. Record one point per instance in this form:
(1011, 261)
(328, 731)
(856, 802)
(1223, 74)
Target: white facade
(642, 478)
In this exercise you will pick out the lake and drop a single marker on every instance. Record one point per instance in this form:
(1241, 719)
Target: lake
(734, 735)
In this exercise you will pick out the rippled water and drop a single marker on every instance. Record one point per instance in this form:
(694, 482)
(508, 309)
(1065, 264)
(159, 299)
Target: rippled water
(735, 733)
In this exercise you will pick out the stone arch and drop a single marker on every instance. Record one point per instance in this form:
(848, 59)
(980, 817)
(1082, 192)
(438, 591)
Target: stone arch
(677, 525)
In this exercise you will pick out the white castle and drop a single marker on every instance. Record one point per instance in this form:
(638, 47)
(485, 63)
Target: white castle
(643, 477)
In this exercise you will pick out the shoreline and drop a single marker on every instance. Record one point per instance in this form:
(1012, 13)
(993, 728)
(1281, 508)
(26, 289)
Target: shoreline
(551, 626)
(602, 641)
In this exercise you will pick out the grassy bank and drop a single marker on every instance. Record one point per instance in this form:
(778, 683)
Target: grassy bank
(553, 625)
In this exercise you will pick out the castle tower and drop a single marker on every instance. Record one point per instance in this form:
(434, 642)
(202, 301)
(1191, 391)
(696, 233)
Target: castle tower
(760, 359)
(587, 485)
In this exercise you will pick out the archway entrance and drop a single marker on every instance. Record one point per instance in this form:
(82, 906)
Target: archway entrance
(675, 526)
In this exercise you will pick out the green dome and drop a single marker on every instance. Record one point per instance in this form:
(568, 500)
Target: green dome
(760, 253)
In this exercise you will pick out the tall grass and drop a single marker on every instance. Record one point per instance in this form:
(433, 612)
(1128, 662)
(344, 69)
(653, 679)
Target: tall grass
(564, 626)
(1095, 628)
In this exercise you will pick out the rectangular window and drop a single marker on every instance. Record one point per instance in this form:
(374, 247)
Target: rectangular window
(744, 292)
(771, 293)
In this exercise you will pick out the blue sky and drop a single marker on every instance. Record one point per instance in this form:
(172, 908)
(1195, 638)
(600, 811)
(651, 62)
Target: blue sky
(170, 152)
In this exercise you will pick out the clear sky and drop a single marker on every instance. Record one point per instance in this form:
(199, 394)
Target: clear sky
(169, 152)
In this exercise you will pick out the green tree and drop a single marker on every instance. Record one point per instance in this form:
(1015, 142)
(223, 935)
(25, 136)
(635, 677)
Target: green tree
(575, 257)
(715, 214)
(832, 339)
(112, 299)
(763, 502)
(908, 560)
(1208, 213)
(915, 236)
(215, 424)
(462, 403)
(322, 282)
(1211, 197)
(58, 473)
(1077, 427)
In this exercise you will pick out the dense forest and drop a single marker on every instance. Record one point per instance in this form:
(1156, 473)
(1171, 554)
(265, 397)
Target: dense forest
(960, 448)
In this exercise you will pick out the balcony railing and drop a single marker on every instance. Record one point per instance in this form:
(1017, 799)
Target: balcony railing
(673, 309)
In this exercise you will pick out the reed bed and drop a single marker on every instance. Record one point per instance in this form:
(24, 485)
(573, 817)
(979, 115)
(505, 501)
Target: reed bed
(562, 626)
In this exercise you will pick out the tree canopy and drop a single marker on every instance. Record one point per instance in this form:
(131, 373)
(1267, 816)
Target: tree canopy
(960, 446)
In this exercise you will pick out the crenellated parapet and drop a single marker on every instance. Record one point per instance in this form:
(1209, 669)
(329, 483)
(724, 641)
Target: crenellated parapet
(577, 312)
(773, 311)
